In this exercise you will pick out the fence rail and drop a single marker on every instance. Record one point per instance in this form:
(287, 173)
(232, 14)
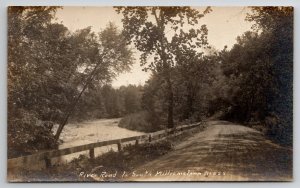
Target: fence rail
(47, 155)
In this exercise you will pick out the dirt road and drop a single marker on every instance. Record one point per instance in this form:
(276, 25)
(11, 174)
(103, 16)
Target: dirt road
(223, 152)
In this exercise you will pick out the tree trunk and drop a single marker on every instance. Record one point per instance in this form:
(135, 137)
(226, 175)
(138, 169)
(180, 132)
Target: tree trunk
(160, 20)
(190, 102)
(170, 103)
(75, 102)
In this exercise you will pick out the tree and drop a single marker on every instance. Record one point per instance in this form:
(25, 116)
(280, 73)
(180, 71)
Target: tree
(260, 67)
(106, 57)
(194, 77)
(27, 106)
(131, 95)
(153, 99)
(147, 28)
(49, 69)
(276, 26)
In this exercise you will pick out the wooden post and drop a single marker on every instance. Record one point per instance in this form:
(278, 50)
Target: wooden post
(47, 162)
(150, 137)
(119, 146)
(92, 153)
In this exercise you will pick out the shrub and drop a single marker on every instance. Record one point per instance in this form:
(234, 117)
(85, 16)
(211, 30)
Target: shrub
(27, 134)
(280, 129)
(141, 121)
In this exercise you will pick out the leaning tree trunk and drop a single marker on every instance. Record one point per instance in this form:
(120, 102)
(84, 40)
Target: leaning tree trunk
(71, 108)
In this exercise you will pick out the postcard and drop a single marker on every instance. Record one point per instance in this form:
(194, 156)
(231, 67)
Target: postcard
(150, 93)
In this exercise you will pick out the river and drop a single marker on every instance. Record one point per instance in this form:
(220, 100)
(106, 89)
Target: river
(76, 134)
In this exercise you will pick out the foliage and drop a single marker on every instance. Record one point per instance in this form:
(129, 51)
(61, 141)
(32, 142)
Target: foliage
(146, 28)
(247, 83)
(260, 68)
(27, 28)
(141, 121)
(49, 69)
(192, 85)
(108, 102)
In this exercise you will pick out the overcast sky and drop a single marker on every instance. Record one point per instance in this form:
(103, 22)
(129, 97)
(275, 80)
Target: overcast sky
(224, 25)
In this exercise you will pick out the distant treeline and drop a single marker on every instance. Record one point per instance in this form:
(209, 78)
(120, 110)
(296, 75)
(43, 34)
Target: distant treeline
(108, 102)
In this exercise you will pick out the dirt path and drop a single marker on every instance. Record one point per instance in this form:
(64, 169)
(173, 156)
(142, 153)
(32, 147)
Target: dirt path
(223, 152)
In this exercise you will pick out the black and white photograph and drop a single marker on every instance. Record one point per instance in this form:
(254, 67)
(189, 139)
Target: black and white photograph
(150, 93)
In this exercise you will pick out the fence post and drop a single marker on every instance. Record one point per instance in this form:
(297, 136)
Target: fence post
(92, 153)
(119, 146)
(150, 137)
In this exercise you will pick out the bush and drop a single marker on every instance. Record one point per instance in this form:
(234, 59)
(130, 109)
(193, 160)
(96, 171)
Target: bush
(141, 121)
(27, 134)
(280, 129)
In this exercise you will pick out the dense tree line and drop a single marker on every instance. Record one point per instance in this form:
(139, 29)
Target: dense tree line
(260, 68)
(108, 102)
(192, 84)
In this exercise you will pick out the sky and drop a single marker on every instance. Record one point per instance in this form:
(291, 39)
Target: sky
(224, 25)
